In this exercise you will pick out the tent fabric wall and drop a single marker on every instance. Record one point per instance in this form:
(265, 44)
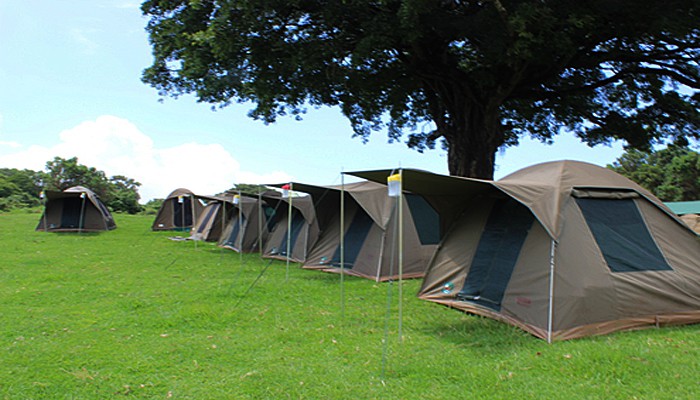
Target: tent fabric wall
(305, 228)
(76, 209)
(371, 233)
(242, 232)
(562, 286)
(210, 222)
(179, 211)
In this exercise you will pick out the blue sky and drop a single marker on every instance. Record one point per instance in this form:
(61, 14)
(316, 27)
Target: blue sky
(70, 86)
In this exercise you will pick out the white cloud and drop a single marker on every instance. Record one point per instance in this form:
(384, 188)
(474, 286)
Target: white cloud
(117, 147)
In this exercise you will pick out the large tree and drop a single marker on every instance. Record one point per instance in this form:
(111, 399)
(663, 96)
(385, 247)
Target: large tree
(481, 73)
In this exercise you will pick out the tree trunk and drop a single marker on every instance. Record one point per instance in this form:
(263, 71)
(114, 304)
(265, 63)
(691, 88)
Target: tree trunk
(473, 139)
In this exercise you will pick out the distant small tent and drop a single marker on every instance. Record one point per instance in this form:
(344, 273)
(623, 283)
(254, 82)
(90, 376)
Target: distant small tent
(178, 212)
(210, 223)
(370, 231)
(76, 209)
(245, 230)
(562, 250)
(304, 228)
(689, 211)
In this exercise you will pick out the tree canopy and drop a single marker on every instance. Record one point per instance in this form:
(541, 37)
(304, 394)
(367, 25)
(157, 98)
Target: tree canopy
(22, 188)
(476, 75)
(118, 192)
(671, 174)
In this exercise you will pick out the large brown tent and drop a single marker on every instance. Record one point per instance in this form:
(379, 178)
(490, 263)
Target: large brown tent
(179, 211)
(245, 230)
(297, 213)
(76, 209)
(370, 240)
(562, 250)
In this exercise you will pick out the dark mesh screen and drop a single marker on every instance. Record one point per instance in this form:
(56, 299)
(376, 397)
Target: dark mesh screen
(622, 236)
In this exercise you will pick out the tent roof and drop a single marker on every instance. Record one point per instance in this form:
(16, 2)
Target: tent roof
(542, 187)
(179, 192)
(684, 207)
(371, 196)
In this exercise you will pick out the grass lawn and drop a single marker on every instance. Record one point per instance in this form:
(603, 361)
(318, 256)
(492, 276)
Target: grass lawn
(131, 314)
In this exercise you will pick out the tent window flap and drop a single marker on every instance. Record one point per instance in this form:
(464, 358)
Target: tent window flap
(426, 219)
(497, 253)
(622, 236)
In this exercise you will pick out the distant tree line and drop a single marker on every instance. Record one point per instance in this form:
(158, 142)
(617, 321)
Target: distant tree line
(671, 174)
(22, 188)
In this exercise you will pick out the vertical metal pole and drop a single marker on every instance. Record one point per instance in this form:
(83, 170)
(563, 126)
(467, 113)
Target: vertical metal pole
(400, 200)
(550, 313)
(240, 229)
(342, 245)
(260, 222)
(289, 229)
(82, 213)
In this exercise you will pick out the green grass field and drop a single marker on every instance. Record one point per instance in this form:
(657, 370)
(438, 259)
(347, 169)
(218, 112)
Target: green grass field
(131, 314)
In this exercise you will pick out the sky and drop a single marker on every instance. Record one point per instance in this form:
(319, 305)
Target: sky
(70, 86)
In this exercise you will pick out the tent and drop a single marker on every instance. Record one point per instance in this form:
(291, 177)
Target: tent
(76, 209)
(211, 221)
(178, 211)
(245, 230)
(689, 211)
(560, 249)
(303, 224)
(370, 245)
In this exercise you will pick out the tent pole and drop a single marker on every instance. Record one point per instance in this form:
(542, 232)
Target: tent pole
(82, 213)
(240, 229)
(551, 291)
(42, 196)
(260, 224)
(400, 200)
(342, 245)
(289, 229)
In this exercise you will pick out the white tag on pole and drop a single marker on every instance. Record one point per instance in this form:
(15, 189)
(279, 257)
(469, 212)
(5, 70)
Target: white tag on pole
(393, 183)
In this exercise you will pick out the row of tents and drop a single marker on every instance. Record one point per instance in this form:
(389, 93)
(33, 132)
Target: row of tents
(305, 226)
(561, 249)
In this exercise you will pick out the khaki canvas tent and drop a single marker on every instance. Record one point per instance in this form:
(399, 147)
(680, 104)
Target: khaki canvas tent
(304, 227)
(689, 211)
(76, 209)
(370, 219)
(245, 230)
(210, 223)
(561, 249)
(178, 212)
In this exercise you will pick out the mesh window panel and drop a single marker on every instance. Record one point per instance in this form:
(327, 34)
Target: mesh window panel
(426, 219)
(499, 248)
(622, 236)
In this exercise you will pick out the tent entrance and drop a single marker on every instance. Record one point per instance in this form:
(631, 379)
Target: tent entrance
(354, 239)
(182, 216)
(70, 216)
(498, 250)
(298, 222)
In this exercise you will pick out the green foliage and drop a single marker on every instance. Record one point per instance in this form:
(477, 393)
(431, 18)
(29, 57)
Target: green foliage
(672, 174)
(130, 314)
(152, 207)
(119, 193)
(482, 73)
(19, 188)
